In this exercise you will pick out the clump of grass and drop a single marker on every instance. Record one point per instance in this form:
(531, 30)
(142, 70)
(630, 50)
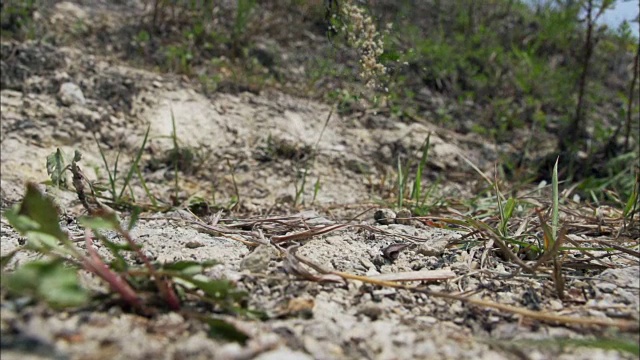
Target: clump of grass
(117, 197)
(414, 194)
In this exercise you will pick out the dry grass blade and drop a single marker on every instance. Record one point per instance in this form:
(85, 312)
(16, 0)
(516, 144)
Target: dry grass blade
(293, 266)
(620, 248)
(551, 253)
(624, 325)
(485, 229)
(305, 235)
(423, 275)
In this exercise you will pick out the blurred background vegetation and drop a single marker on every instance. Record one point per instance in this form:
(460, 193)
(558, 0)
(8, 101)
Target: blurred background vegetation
(543, 78)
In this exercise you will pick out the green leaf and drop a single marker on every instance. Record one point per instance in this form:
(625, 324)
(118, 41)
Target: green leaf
(21, 223)
(119, 263)
(61, 288)
(508, 208)
(631, 203)
(106, 222)
(50, 281)
(215, 289)
(134, 165)
(189, 268)
(221, 329)
(40, 241)
(37, 212)
(417, 185)
(56, 167)
(135, 215)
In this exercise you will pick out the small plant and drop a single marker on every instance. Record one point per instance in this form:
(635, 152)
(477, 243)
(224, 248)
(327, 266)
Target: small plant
(417, 196)
(243, 15)
(179, 58)
(631, 207)
(362, 35)
(56, 169)
(54, 279)
(117, 197)
(301, 182)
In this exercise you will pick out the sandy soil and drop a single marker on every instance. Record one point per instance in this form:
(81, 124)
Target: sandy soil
(264, 138)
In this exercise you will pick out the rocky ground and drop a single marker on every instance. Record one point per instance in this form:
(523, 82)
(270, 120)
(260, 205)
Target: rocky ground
(61, 97)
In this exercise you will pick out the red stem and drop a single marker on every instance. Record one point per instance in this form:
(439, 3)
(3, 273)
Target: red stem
(95, 264)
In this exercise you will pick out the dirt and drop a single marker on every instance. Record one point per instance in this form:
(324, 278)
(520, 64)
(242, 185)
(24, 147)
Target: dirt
(260, 142)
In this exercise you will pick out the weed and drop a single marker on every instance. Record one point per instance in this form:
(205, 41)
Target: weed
(301, 182)
(243, 14)
(56, 169)
(417, 197)
(631, 207)
(402, 183)
(362, 35)
(117, 196)
(416, 192)
(54, 279)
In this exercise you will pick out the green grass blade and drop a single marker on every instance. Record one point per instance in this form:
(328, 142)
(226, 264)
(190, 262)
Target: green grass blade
(503, 220)
(316, 190)
(152, 198)
(401, 184)
(135, 164)
(554, 210)
(417, 185)
(115, 172)
(112, 180)
(303, 183)
(632, 202)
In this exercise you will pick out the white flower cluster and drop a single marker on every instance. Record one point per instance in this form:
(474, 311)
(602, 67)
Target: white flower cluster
(363, 36)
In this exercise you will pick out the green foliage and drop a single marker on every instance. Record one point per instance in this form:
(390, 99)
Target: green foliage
(519, 62)
(413, 194)
(416, 192)
(50, 280)
(117, 197)
(16, 17)
(243, 15)
(56, 168)
(617, 180)
(54, 278)
(37, 219)
(621, 344)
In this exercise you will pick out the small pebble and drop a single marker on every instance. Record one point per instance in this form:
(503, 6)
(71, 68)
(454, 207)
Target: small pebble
(384, 216)
(70, 94)
(403, 217)
(193, 245)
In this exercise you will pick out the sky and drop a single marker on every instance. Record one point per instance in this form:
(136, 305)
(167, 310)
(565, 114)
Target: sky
(624, 10)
